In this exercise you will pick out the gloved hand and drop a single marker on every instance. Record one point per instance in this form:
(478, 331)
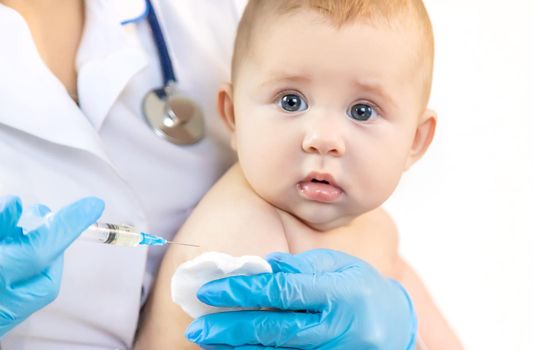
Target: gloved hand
(31, 264)
(324, 300)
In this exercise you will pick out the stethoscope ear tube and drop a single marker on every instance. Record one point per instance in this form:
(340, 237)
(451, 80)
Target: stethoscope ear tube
(162, 49)
(171, 115)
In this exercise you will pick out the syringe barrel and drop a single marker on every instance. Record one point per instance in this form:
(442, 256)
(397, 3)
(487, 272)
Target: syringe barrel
(120, 235)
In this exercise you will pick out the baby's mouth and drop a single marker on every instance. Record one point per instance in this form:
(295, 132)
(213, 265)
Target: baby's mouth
(320, 187)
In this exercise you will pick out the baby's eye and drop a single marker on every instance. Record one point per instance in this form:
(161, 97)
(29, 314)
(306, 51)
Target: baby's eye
(292, 103)
(362, 112)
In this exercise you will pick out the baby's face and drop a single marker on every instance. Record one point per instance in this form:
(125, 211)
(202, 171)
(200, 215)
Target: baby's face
(325, 118)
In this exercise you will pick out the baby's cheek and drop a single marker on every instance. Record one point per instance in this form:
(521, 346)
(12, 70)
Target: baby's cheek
(378, 183)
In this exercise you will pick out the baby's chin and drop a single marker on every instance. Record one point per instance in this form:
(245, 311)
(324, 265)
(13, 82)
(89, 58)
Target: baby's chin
(328, 225)
(320, 216)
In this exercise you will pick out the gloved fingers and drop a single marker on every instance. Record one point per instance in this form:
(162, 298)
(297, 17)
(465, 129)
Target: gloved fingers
(10, 211)
(62, 228)
(312, 261)
(51, 279)
(253, 328)
(286, 262)
(284, 291)
(33, 293)
(7, 320)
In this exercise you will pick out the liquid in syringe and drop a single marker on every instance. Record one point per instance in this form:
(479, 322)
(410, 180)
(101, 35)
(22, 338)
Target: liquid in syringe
(123, 236)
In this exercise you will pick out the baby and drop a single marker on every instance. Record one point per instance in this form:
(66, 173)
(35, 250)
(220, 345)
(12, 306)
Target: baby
(326, 110)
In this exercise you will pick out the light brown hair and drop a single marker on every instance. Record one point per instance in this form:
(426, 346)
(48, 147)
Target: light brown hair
(339, 13)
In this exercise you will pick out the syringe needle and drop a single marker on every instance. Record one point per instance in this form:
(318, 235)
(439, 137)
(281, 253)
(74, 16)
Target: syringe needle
(189, 245)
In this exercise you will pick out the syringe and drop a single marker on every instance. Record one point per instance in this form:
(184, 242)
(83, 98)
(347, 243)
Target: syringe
(123, 236)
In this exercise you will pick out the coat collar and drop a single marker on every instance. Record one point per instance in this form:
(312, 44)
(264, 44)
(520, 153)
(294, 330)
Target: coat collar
(130, 11)
(34, 100)
(109, 55)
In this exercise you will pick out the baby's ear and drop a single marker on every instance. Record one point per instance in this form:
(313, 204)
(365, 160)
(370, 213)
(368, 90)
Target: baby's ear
(226, 110)
(423, 137)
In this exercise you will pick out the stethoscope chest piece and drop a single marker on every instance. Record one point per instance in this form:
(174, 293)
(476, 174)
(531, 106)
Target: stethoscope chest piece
(173, 116)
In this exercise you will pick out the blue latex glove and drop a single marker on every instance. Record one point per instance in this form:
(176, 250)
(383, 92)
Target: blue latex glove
(331, 300)
(31, 264)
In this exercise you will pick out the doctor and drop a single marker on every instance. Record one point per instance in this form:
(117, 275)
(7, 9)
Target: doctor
(72, 125)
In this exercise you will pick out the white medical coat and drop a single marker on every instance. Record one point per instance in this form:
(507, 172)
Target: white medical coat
(54, 152)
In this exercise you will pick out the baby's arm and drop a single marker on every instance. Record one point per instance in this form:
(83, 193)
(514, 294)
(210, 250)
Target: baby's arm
(230, 219)
(434, 331)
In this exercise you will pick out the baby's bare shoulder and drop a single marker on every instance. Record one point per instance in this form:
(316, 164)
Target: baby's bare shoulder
(374, 238)
(232, 218)
(382, 226)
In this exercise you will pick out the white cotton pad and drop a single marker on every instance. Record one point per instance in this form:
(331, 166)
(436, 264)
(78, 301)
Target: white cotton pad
(192, 274)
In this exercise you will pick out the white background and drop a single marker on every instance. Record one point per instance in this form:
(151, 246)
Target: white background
(464, 211)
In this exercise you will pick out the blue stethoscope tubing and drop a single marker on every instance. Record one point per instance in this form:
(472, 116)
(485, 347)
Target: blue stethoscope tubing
(171, 115)
(162, 49)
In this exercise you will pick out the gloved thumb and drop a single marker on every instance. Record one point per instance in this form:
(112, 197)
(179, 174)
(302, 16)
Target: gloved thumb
(59, 231)
(311, 262)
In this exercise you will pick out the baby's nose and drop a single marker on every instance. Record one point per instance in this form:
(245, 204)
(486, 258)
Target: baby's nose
(324, 139)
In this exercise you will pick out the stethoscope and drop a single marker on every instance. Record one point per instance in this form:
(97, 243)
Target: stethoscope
(172, 115)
